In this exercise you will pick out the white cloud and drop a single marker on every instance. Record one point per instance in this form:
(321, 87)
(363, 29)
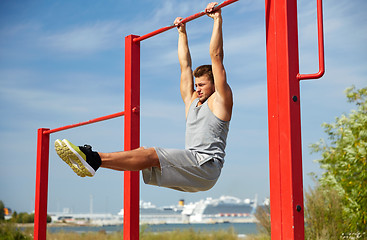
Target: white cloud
(86, 39)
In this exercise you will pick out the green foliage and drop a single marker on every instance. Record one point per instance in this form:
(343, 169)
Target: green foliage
(324, 217)
(9, 232)
(324, 214)
(24, 217)
(2, 214)
(344, 160)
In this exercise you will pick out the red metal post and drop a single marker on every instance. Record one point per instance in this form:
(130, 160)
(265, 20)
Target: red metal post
(132, 134)
(285, 152)
(40, 215)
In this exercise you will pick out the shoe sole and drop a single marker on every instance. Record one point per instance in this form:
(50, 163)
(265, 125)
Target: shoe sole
(74, 157)
(59, 147)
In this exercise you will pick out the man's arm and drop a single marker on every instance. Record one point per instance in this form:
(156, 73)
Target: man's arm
(223, 100)
(184, 57)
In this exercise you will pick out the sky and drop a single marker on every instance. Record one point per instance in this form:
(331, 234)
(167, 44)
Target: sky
(62, 62)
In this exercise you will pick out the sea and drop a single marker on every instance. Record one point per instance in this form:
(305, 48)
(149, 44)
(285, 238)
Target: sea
(239, 228)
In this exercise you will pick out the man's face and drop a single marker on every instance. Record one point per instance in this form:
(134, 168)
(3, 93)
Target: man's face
(204, 88)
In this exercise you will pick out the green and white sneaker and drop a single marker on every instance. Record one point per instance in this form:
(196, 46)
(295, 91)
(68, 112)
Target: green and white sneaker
(82, 160)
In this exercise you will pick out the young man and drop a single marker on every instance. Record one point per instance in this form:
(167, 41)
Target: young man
(208, 112)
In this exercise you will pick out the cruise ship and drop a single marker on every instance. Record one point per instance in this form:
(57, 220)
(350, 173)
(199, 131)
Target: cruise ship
(223, 209)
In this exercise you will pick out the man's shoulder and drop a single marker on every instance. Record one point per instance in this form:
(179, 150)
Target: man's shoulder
(221, 107)
(222, 98)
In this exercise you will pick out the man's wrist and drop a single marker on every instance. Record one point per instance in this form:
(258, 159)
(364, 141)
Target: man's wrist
(218, 18)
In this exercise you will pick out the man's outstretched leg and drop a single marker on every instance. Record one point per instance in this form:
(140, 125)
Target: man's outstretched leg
(85, 162)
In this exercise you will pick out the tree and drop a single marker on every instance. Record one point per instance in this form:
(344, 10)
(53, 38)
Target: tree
(344, 160)
(2, 213)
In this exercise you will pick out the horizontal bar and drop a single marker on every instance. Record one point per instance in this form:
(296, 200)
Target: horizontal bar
(320, 34)
(115, 115)
(185, 20)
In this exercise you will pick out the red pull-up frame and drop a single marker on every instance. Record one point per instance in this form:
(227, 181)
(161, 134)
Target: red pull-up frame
(132, 133)
(43, 145)
(131, 141)
(285, 152)
(284, 117)
(185, 20)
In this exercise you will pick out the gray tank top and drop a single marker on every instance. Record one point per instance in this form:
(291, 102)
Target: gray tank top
(206, 134)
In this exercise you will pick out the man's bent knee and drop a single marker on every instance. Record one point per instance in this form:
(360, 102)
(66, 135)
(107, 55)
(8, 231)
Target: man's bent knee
(152, 156)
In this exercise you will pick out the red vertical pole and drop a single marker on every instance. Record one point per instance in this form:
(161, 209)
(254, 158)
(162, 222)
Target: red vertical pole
(40, 215)
(285, 152)
(131, 140)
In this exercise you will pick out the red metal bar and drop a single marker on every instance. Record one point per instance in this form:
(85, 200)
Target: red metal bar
(320, 34)
(285, 152)
(132, 134)
(115, 115)
(185, 20)
(40, 214)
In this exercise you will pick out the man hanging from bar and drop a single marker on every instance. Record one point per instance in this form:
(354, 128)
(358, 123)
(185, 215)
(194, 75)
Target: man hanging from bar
(208, 112)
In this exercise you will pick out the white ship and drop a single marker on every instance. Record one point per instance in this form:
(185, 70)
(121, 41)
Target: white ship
(223, 209)
(151, 214)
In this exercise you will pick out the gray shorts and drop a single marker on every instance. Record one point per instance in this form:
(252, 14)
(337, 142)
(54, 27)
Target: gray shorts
(180, 170)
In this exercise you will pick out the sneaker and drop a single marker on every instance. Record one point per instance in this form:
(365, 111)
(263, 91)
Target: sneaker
(82, 160)
(59, 147)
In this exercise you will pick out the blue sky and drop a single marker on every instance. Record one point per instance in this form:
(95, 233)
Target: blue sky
(62, 62)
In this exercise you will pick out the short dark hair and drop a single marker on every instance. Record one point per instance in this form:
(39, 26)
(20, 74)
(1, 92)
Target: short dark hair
(204, 70)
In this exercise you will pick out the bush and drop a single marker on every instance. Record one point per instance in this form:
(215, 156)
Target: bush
(24, 217)
(263, 216)
(343, 157)
(9, 232)
(324, 217)
(324, 214)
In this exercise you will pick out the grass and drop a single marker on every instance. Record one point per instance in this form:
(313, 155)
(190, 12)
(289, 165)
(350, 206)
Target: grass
(174, 235)
(10, 231)
(190, 234)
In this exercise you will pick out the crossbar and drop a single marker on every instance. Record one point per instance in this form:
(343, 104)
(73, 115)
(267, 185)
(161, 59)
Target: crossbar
(107, 117)
(185, 20)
